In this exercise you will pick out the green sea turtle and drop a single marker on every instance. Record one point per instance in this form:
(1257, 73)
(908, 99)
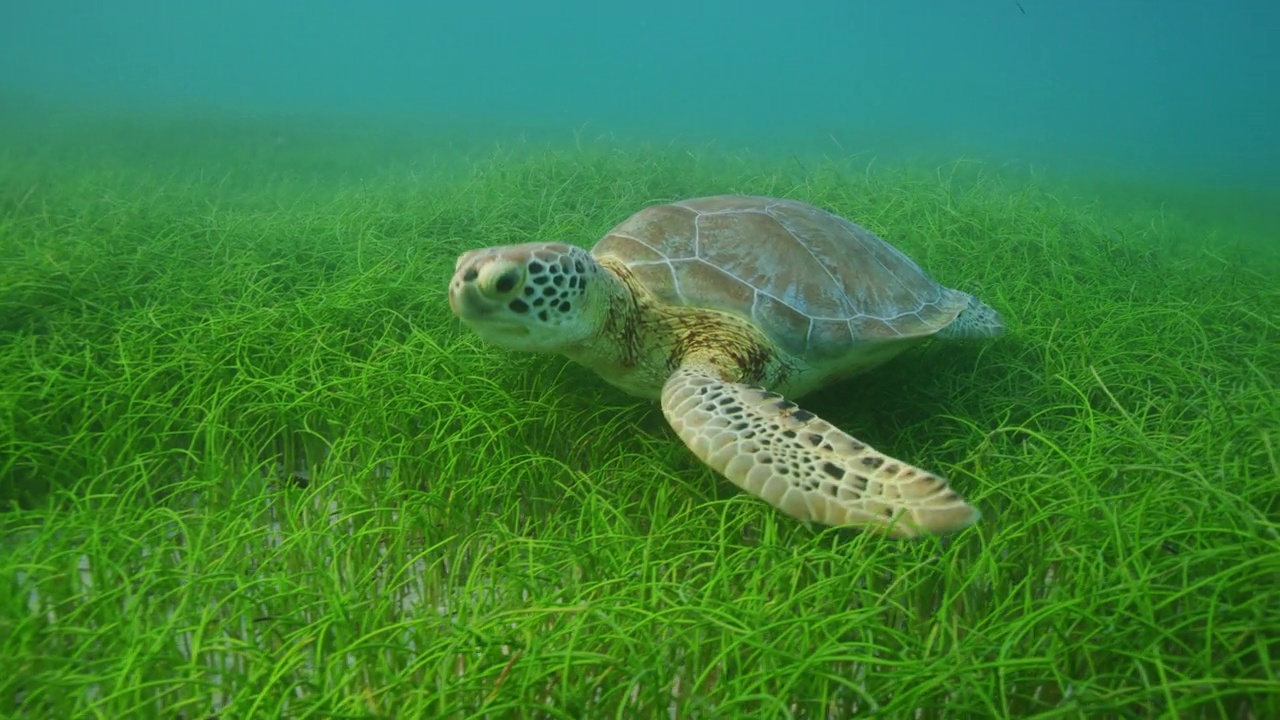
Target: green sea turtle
(723, 308)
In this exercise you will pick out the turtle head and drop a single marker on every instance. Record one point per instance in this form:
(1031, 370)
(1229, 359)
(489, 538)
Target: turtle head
(534, 297)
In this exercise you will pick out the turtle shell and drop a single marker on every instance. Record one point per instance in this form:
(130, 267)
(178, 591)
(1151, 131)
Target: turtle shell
(816, 284)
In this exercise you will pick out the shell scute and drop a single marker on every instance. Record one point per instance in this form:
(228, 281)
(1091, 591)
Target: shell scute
(816, 283)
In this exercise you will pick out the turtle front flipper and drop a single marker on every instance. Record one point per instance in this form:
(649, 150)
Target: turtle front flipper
(802, 464)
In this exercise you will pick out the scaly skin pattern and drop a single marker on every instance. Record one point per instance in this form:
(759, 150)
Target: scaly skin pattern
(802, 464)
(641, 342)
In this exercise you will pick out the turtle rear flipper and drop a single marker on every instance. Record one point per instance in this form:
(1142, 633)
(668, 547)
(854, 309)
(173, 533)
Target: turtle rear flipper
(977, 321)
(803, 465)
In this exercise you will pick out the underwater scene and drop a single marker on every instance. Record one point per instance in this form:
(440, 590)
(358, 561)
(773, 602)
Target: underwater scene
(501, 360)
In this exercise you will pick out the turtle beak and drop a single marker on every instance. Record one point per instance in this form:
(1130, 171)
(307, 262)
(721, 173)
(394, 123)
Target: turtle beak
(465, 299)
(455, 289)
(469, 301)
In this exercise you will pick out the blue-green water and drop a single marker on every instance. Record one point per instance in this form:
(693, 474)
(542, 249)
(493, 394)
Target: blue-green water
(1161, 89)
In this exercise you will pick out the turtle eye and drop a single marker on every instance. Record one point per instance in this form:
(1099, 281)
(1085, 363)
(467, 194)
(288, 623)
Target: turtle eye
(507, 282)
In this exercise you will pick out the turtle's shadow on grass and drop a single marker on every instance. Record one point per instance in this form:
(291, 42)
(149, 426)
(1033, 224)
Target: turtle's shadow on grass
(910, 391)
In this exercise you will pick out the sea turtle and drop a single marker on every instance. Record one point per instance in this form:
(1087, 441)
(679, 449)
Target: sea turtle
(723, 308)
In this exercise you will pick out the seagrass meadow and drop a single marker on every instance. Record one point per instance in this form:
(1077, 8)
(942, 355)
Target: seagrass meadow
(252, 467)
